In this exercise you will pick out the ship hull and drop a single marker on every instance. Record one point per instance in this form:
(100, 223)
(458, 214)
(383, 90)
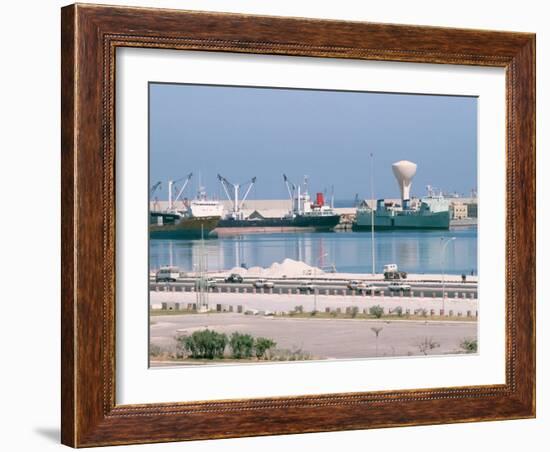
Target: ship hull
(184, 228)
(436, 220)
(267, 225)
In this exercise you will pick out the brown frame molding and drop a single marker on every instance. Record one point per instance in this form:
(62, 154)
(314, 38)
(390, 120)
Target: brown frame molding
(90, 35)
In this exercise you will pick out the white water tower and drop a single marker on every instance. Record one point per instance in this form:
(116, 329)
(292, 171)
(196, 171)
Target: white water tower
(404, 172)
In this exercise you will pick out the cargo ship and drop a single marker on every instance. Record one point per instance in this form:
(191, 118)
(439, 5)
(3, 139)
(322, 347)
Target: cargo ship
(176, 227)
(429, 212)
(304, 215)
(197, 219)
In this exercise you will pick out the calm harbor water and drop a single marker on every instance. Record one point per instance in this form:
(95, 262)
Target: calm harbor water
(412, 251)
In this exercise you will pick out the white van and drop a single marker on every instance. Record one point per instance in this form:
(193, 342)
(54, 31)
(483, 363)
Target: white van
(167, 274)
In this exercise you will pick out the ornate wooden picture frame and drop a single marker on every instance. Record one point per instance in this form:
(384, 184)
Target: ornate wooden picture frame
(90, 37)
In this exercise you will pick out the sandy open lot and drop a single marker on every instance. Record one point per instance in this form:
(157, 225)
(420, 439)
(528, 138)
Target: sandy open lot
(323, 338)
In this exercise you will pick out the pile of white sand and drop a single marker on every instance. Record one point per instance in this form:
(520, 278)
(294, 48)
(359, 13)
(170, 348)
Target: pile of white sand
(288, 268)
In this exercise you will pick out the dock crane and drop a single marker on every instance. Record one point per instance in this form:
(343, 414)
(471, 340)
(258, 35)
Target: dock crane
(172, 185)
(294, 191)
(154, 188)
(152, 191)
(290, 187)
(228, 186)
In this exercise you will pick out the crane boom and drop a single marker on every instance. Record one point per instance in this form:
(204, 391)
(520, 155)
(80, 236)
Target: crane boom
(154, 188)
(171, 184)
(189, 176)
(250, 185)
(225, 184)
(290, 187)
(228, 186)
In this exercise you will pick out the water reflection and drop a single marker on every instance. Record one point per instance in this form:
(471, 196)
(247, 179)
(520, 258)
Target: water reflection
(415, 252)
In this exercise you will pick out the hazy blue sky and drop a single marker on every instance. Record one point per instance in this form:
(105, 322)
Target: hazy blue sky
(328, 135)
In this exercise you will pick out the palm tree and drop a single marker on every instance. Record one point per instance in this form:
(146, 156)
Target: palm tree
(376, 330)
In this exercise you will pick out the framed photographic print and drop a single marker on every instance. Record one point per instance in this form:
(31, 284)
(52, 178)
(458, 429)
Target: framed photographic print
(281, 225)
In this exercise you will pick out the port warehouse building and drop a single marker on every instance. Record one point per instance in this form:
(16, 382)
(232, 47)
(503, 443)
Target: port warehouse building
(277, 208)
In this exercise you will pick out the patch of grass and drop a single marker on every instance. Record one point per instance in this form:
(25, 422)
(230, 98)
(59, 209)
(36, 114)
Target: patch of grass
(359, 315)
(427, 344)
(155, 350)
(468, 345)
(157, 312)
(162, 353)
(295, 354)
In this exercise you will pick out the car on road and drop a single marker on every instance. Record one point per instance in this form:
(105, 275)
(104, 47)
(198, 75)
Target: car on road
(265, 313)
(306, 286)
(398, 287)
(211, 283)
(208, 283)
(371, 288)
(167, 274)
(264, 284)
(363, 287)
(354, 285)
(234, 278)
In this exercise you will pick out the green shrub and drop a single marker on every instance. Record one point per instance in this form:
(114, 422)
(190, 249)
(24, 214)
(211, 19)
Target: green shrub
(208, 344)
(399, 311)
(242, 345)
(376, 311)
(262, 345)
(299, 309)
(354, 311)
(205, 344)
(469, 345)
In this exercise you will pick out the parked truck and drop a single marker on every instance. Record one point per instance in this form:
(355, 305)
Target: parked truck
(391, 272)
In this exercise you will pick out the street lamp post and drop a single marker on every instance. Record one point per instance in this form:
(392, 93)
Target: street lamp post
(372, 211)
(314, 279)
(443, 245)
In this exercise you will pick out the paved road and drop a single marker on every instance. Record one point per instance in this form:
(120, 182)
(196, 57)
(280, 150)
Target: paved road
(323, 338)
(323, 287)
